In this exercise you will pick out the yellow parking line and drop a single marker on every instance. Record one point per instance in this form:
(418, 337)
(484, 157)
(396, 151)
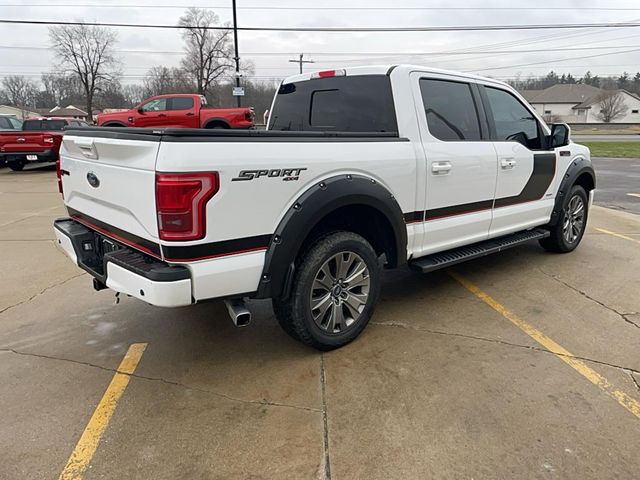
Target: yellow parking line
(619, 235)
(88, 443)
(631, 404)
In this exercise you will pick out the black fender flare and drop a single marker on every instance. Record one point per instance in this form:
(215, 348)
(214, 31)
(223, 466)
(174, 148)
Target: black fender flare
(577, 167)
(309, 209)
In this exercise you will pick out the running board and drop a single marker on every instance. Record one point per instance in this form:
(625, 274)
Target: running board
(454, 256)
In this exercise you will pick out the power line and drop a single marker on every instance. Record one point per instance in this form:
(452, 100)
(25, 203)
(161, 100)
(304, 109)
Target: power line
(552, 61)
(450, 28)
(273, 7)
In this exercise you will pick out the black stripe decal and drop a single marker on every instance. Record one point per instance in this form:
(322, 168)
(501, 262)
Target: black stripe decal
(216, 249)
(461, 209)
(544, 169)
(413, 217)
(175, 253)
(128, 238)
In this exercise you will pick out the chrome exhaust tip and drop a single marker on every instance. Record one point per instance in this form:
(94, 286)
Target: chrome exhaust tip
(240, 315)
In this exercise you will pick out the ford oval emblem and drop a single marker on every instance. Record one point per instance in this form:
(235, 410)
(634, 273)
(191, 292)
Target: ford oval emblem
(93, 180)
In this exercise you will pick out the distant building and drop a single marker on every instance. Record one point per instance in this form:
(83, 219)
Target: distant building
(20, 113)
(578, 103)
(68, 112)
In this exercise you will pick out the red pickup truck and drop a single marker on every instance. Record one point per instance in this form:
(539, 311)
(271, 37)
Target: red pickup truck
(178, 111)
(37, 142)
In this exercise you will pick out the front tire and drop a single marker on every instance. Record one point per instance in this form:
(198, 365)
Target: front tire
(567, 233)
(334, 292)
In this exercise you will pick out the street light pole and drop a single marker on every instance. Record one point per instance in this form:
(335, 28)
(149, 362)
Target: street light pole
(235, 43)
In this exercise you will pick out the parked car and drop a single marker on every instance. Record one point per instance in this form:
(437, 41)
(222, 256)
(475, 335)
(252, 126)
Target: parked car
(38, 141)
(9, 121)
(359, 168)
(178, 111)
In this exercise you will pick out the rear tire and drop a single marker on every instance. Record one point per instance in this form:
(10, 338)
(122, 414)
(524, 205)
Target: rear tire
(334, 292)
(567, 233)
(17, 166)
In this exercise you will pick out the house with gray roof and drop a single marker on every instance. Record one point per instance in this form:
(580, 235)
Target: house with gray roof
(578, 103)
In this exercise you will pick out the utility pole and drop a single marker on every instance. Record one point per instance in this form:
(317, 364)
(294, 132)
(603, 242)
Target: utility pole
(235, 43)
(301, 61)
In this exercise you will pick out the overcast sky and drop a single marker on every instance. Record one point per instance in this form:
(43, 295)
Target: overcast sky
(270, 51)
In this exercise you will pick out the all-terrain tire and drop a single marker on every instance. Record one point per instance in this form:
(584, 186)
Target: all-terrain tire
(341, 272)
(567, 233)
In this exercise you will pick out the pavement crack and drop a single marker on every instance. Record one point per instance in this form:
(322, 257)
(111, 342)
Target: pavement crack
(325, 420)
(58, 284)
(165, 381)
(635, 380)
(503, 342)
(624, 316)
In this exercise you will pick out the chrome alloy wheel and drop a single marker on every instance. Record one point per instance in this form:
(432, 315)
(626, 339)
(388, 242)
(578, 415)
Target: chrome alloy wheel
(339, 292)
(573, 219)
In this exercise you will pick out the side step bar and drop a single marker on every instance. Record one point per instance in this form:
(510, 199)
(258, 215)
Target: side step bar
(454, 256)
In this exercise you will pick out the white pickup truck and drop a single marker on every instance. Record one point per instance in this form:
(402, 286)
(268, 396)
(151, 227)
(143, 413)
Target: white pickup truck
(360, 169)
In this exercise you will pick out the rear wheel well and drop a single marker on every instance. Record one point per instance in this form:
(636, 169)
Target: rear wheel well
(364, 220)
(113, 124)
(585, 181)
(217, 124)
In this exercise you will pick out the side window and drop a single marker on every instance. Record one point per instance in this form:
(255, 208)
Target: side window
(451, 112)
(4, 123)
(17, 124)
(181, 103)
(156, 105)
(513, 121)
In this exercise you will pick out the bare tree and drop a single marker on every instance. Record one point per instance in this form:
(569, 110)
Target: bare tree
(612, 106)
(209, 53)
(20, 91)
(88, 52)
(161, 80)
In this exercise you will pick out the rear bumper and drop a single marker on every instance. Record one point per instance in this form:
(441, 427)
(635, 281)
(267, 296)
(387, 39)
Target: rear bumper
(43, 156)
(123, 269)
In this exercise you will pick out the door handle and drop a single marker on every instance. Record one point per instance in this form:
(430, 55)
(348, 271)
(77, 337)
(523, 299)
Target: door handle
(507, 163)
(161, 115)
(441, 167)
(190, 114)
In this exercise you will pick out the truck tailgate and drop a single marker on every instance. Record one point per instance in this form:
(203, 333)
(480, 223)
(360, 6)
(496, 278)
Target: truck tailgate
(11, 142)
(113, 180)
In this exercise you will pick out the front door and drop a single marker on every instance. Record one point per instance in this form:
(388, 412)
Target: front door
(524, 193)
(154, 114)
(461, 165)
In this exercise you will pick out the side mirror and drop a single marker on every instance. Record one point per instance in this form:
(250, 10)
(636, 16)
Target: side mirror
(141, 111)
(559, 135)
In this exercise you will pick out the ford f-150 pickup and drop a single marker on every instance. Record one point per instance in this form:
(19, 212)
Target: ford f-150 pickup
(360, 169)
(178, 111)
(37, 142)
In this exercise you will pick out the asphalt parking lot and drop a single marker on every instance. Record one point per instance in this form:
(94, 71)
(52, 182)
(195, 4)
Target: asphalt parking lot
(519, 365)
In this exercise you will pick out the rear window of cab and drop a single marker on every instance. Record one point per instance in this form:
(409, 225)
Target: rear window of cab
(360, 103)
(43, 125)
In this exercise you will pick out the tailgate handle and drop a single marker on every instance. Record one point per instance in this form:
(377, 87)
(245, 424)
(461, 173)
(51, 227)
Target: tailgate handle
(87, 148)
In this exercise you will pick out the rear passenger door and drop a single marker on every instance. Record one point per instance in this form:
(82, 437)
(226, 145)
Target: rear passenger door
(461, 165)
(524, 197)
(181, 113)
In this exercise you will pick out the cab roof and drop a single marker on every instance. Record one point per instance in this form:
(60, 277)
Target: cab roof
(388, 69)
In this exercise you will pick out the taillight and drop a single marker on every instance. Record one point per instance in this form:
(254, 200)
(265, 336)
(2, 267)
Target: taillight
(181, 200)
(47, 139)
